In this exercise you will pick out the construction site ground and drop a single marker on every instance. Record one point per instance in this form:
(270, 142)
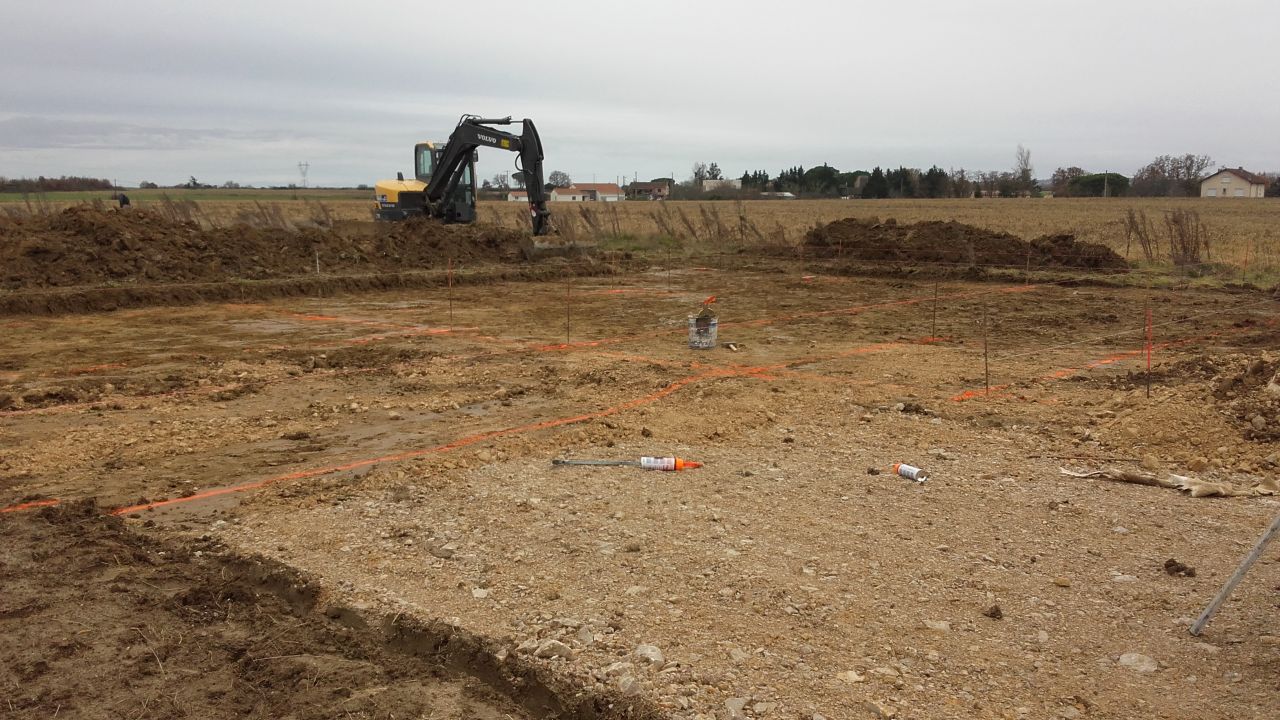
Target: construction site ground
(394, 450)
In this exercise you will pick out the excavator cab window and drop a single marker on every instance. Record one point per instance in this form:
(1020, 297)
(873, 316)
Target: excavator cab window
(424, 161)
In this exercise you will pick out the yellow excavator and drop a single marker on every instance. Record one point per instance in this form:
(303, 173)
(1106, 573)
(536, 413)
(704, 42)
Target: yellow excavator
(444, 184)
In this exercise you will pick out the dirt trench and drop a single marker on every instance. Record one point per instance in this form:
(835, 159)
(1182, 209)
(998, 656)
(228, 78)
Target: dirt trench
(100, 621)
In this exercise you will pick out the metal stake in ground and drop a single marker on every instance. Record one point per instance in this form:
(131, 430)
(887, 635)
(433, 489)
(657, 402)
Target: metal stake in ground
(450, 276)
(1148, 351)
(1237, 576)
(567, 280)
(933, 328)
(668, 267)
(986, 360)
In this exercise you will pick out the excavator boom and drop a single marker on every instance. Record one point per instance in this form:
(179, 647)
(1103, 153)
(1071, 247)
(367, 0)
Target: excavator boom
(474, 132)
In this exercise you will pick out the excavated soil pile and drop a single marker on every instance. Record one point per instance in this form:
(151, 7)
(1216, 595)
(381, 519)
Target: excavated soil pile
(88, 246)
(1248, 389)
(952, 243)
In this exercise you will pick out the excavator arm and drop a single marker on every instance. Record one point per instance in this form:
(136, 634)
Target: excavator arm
(474, 132)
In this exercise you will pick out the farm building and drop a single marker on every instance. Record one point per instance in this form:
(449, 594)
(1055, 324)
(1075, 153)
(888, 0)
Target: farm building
(648, 191)
(517, 196)
(1233, 182)
(588, 192)
(569, 194)
(603, 192)
(722, 184)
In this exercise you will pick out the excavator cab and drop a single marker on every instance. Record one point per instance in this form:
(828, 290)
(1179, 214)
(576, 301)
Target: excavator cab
(400, 199)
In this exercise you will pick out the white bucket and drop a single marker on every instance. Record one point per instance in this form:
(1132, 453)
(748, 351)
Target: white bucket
(702, 332)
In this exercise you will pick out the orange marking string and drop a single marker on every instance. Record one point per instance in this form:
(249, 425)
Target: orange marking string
(856, 309)
(447, 447)
(630, 291)
(96, 368)
(760, 372)
(1068, 372)
(30, 505)
(185, 392)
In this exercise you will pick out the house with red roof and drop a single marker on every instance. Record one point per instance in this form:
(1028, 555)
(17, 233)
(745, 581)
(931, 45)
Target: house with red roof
(1234, 183)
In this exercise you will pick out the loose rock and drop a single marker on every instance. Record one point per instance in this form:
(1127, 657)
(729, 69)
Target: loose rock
(553, 649)
(1138, 662)
(650, 654)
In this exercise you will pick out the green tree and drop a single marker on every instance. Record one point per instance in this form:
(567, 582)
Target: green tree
(934, 182)
(823, 180)
(1172, 176)
(849, 181)
(1098, 185)
(1059, 183)
(901, 182)
(877, 186)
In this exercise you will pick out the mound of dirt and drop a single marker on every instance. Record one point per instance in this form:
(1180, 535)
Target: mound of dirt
(85, 245)
(952, 243)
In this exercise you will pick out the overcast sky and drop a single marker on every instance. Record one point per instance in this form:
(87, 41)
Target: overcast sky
(229, 90)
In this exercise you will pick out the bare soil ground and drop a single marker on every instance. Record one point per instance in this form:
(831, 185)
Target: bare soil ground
(99, 622)
(396, 448)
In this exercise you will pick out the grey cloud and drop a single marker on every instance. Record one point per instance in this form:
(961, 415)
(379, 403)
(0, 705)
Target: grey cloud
(27, 132)
(245, 90)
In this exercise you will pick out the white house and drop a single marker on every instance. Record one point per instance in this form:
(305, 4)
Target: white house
(1236, 183)
(603, 192)
(588, 192)
(568, 194)
(517, 196)
(722, 184)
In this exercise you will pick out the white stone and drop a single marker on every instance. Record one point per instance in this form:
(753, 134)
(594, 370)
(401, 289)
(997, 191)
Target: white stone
(852, 677)
(650, 654)
(1138, 662)
(553, 649)
(618, 668)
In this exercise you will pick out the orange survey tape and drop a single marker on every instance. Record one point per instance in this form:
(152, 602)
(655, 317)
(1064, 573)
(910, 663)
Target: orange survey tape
(740, 371)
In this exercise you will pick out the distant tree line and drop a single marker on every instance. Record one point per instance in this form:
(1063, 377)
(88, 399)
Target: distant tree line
(43, 184)
(1164, 176)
